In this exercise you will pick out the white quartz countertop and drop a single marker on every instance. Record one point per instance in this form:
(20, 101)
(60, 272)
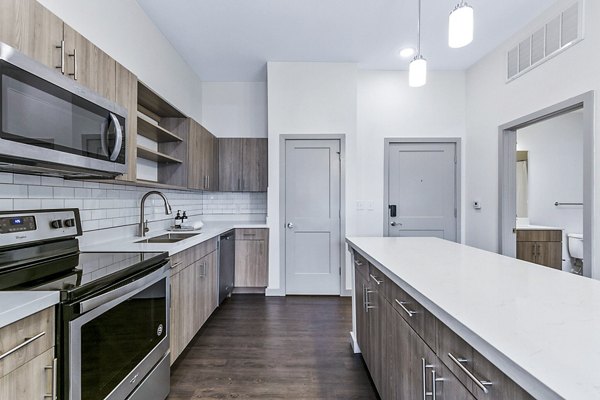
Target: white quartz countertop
(208, 231)
(540, 326)
(527, 227)
(18, 305)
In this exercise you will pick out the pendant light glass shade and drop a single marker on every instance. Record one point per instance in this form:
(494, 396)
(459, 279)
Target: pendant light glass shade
(460, 26)
(417, 72)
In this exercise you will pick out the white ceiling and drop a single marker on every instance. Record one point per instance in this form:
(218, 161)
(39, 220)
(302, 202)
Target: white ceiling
(231, 40)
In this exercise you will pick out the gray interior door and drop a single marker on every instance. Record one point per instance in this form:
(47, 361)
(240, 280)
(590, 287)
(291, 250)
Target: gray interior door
(422, 187)
(312, 216)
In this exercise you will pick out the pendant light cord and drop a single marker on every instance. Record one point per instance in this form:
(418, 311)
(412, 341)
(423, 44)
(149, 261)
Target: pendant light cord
(419, 31)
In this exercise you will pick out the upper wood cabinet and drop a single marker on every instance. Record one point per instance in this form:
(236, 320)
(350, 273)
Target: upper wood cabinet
(126, 96)
(30, 28)
(243, 164)
(89, 65)
(203, 156)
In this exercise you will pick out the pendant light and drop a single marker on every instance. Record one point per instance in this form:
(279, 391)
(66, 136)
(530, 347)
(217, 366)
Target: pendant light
(460, 25)
(417, 69)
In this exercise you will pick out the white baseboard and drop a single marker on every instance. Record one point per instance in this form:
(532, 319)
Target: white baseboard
(354, 343)
(274, 292)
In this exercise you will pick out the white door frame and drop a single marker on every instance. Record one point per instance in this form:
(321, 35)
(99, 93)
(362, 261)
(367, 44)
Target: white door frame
(282, 217)
(507, 191)
(457, 176)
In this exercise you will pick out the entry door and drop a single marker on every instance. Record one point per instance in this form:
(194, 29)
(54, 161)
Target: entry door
(422, 187)
(312, 216)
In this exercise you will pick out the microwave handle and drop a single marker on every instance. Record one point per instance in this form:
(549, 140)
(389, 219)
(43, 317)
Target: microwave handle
(119, 139)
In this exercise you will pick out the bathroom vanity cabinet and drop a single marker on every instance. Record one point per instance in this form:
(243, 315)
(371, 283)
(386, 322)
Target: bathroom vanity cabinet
(542, 247)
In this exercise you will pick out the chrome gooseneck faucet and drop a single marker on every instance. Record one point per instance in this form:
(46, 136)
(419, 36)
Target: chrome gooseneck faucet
(143, 227)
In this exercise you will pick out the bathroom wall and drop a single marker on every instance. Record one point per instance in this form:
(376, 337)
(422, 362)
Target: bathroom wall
(110, 211)
(555, 173)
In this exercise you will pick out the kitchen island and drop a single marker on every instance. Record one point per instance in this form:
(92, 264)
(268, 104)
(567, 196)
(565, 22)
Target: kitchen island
(534, 328)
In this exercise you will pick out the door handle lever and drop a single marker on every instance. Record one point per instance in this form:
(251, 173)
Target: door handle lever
(394, 223)
(290, 225)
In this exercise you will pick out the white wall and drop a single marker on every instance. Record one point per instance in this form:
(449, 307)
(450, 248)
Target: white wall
(307, 98)
(389, 108)
(235, 109)
(367, 106)
(124, 31)
(555, 173)
(492, 102)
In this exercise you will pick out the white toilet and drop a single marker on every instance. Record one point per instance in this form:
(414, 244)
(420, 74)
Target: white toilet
(575, 245)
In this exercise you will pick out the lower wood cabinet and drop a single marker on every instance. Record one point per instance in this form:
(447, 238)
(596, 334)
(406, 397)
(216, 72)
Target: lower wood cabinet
(251, 258)
(194, 276)
(28, 372)
(410, 354)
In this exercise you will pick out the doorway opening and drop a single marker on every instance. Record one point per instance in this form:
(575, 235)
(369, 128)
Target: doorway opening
(546, 186)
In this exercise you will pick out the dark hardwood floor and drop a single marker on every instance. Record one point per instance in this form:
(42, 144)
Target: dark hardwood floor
(256, 347)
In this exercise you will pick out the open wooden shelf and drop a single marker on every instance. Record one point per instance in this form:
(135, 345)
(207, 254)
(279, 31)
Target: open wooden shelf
(152, 102)
(154, 132)
(161, 158)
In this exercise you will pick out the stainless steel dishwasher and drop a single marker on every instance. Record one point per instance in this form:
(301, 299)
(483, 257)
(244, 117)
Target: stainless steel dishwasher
(226, 264)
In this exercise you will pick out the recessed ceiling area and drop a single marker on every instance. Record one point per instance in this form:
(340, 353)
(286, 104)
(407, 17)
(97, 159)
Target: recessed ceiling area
(230, 40)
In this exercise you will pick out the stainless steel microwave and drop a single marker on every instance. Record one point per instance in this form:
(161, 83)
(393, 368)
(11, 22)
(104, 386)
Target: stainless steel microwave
(52, 125)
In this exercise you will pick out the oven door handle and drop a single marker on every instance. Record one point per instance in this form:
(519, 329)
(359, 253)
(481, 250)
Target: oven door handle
(127, 290)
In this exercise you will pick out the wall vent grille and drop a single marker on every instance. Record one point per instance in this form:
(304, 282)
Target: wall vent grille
(553, 38)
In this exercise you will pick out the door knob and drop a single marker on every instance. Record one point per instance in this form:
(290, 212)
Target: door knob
(394, 223)
(290, 225)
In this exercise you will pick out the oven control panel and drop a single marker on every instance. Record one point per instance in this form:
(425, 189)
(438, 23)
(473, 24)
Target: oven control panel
(17, 227)
(17, 224)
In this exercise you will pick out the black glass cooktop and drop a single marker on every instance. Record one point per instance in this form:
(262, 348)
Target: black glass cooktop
(75, 274)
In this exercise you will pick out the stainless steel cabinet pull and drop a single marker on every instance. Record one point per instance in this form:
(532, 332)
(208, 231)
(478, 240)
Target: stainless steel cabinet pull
(402, 304)
(434, 381)
(52, 394)
(358, 263)
(74, 74)
(203, 270)
(377, 281)
(424, 367)
(177, 264)
(480, 383)
(25, 343)
(62, 57)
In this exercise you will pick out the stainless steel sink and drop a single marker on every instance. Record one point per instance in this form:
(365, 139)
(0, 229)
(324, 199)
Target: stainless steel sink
(169, 238)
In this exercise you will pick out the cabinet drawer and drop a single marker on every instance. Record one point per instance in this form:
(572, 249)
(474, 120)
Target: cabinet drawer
(476, 372)
(421, 320)
(360, 264)
(34, 380)
(191, 255)
(380, 281)
(252, 234)
(539, 236)
(26, 339)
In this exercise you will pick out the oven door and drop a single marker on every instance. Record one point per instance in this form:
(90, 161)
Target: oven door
(119, 339)
(47, 118)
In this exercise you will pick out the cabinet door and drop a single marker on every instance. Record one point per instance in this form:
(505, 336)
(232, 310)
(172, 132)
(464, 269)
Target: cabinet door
(89, 65)
(32, 381)
(210, 156)
(187, 302)
(251, 268)
(30, 28)
(196, 176)
(207, 289)
(376, 326)
(526, 251)
(254, 165)
(360, 287)
(230, 165)
(126, 89)
(549, 254)
(175, 332)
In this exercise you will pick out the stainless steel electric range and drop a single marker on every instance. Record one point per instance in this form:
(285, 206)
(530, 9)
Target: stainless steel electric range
(112, 325)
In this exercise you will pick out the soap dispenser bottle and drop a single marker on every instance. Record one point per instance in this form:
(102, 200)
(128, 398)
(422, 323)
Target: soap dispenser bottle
(178, 220)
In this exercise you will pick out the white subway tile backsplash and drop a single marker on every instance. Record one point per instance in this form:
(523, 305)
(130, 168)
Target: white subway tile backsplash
(108, 205)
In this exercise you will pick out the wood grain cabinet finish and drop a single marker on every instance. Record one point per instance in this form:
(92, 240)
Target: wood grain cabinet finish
(243, 164)
(36, 330)
(31, 381)
(542, 247)
(126, 96)
(361, 287)
(194, 274)
(251, 258)
(33, 30)
(203, 159)
(376, 334)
